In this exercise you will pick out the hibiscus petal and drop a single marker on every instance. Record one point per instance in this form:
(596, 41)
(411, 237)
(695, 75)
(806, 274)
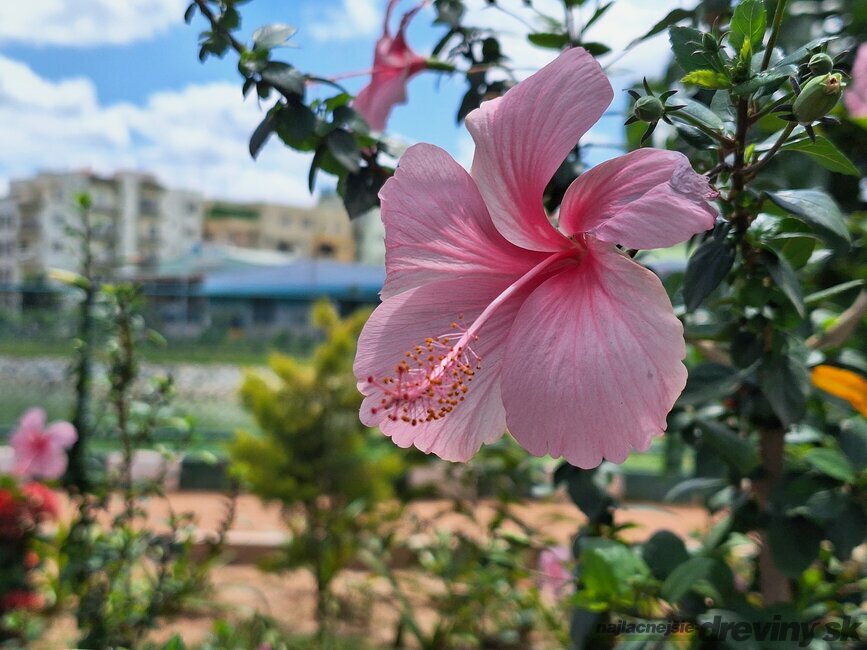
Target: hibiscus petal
(523, 137)
(49, 465)
(593, 361)
(62, 434)
(437, 226)
(405, 321)
(386, 90)
(33, 419)
(646, 199)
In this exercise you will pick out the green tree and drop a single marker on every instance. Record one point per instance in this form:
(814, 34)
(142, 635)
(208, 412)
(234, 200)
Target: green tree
(315, 457)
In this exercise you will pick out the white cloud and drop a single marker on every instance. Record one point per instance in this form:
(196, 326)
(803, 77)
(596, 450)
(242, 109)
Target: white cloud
(352, 19)
(85, 23)
(193, 138)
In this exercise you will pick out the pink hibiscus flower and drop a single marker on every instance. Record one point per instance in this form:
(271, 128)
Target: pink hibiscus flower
(394, 64)
(40, 450)
(855, 97)
(494, 318)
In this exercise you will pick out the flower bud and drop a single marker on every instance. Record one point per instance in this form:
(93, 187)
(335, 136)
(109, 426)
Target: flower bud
(648, 109)
(820, 64)
(817, 98)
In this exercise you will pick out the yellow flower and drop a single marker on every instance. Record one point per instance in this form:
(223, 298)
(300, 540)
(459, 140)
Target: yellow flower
(843, 384)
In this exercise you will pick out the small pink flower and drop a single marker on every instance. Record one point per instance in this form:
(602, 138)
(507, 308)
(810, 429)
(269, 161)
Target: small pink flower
(554, 573)
(394, 64)
(855, 96)
(40, 450)
(494, 318)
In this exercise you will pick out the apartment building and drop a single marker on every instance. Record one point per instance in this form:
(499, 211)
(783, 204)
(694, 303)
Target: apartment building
(135, 222)
(8, 254)
(323, 231)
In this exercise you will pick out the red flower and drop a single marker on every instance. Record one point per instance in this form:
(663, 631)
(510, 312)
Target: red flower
(20, 599)
(41, 500)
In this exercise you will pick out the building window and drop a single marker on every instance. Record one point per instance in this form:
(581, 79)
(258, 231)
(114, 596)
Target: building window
(326, 250)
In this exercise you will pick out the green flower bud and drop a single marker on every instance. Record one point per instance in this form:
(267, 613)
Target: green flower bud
(817, 98)
(820, 64)
(648, 109)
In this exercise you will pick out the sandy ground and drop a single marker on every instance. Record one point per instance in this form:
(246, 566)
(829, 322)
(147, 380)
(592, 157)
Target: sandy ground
(289, 597)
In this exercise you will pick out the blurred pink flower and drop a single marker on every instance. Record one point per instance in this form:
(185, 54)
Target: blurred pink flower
(855, 96)
(492, 317)
(554, 573)
(40, 450)
(394, 64)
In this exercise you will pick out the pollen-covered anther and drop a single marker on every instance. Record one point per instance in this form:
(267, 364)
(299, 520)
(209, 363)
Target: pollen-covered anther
(431, 379)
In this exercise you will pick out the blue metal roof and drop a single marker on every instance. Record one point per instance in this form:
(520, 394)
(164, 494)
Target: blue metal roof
(300, 279)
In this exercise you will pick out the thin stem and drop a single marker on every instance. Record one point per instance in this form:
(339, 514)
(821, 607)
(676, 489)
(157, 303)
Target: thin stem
(775, 32)
(752, 169)
(237, 45)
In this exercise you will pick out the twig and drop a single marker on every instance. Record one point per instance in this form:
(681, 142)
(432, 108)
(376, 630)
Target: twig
(843, 328)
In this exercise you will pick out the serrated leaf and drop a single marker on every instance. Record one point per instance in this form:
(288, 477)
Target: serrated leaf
(271, 36)
(706, 268)
(825, 153)
(816, 209)
(694, 111)
(686, 43)
(747, 28)
(707, 79)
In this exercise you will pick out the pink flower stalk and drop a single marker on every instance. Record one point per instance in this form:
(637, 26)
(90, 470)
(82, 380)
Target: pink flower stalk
(394, 64)
(855, 97)
(40, 450)
(554, 573)
(494, 318)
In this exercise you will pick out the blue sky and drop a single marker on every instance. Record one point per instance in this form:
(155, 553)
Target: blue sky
(108, 84)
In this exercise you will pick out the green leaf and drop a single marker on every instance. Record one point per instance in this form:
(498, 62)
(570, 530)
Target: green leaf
(848, 531)
(596, 49)
(296, 124)
(686, 43)
(600, 11)
(706, 268)
(786, 279)
(284, 78)
(819, 296)
(692, 485)
(708, 381)
(794, 542)
(697, 112)
(784, 380)
(733, 449)
(684, 577)
(761, 80)
(585, 490)
(825, 153)
(831, 463)
(271, 36)
(673, 16)
(802, 52)
(663, 553)
(816, 209)
(361, 191)
(549, 40)
(343, 147)
(747, 28)
(707, 79)
(190, 13)
(608, 568)
(261, 134)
